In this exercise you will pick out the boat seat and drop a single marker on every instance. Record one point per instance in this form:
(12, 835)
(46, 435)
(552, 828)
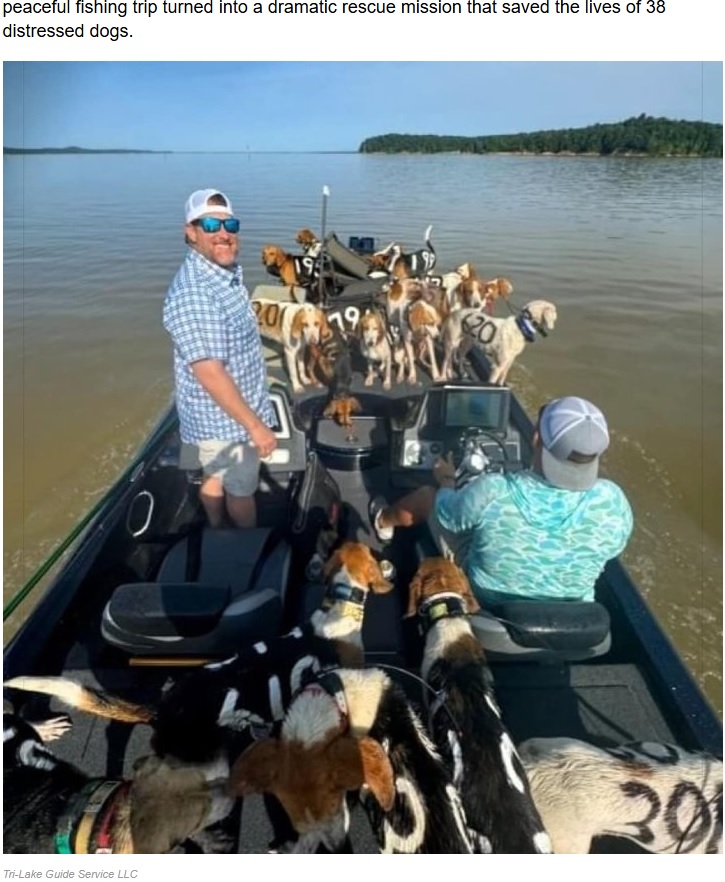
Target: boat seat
(545, 631)
(215, 591)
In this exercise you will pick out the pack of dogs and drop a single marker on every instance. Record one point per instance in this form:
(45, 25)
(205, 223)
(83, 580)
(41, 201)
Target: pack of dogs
(305, 721)
(417, 319)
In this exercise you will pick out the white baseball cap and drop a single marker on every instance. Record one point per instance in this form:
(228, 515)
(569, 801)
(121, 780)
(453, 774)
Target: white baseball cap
(197, 205)
(572, 429)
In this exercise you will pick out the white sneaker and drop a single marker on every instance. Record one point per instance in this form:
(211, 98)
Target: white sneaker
(384, 534)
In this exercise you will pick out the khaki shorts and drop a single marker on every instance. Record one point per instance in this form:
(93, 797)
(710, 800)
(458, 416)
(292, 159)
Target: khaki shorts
(235, 463)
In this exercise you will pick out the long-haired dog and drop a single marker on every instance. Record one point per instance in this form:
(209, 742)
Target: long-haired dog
(353, 729)
(501, 339)
(211, 710)
(311, 245)
(297, 327)
(465, 719)
(51, 807)
(666, 799)
(400, 265)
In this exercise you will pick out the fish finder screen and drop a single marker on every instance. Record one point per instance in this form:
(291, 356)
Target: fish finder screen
(486, 409)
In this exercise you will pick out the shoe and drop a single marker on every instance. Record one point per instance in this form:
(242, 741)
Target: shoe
(384, 534)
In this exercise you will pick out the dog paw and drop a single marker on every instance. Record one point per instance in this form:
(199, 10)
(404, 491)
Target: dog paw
(387, 384)
(368, 381)
(215, 841)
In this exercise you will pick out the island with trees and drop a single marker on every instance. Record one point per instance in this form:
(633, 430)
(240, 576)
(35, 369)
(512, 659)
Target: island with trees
(24, 151)
(638, 136)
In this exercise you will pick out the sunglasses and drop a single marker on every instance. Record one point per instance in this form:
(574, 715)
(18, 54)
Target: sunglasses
(214, 224)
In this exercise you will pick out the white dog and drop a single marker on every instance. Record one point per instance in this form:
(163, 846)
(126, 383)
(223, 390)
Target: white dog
(295, 326)
(501, 339)
(660, 796)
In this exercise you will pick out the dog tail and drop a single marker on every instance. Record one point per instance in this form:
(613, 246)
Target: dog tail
(84, 698)
(426, 237)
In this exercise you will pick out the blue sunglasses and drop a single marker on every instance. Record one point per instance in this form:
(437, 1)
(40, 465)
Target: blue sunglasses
(214, 224)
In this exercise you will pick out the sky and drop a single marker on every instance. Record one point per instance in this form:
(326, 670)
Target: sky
(334, 105)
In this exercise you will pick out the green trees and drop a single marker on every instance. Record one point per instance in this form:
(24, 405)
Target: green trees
(654, 136)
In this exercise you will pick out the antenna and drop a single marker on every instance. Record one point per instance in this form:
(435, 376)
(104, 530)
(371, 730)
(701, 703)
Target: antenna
(322, 299)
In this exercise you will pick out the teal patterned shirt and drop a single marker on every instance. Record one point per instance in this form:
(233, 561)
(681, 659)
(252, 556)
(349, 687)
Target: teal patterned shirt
(525, 539)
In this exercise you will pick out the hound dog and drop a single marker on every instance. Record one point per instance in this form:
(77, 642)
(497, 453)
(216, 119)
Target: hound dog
(296, 326)
(375, 347)
(51, 807)
(465, 719)
(474, 293)
(212, 710)
(665, 799)
(399, 265)
(417, 322)
(501, 339)
(311, 245)
(292, 269)
(352, 729)
(450, 281)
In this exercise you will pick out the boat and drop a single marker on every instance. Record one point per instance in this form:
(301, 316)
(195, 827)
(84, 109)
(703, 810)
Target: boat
(110, 616)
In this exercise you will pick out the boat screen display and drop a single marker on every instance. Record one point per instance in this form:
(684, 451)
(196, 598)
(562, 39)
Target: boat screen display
(483, 408)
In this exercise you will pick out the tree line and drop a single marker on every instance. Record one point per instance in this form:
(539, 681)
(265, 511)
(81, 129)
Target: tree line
(640, 135)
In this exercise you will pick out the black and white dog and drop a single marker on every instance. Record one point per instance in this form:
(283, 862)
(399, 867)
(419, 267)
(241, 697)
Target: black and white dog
(465, 719)
(400, 265)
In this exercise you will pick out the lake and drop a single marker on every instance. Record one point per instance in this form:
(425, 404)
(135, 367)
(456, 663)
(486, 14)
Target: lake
(629, 249)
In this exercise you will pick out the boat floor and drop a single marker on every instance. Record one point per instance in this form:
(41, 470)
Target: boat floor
(603, 703)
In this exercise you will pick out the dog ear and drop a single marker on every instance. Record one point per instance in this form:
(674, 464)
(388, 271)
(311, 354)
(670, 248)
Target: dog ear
(297, 326)
(414, 591)
(355, 406)
(467, 595)
(257, 769)
(354, 762)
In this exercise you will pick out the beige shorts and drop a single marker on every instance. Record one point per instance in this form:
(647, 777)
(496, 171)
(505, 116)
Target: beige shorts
(235, 463)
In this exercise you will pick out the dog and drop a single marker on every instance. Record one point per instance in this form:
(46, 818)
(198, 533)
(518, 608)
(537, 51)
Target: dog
(501, 339)
(375, 347)
(665, 799)
(211, 710)
(292, 269)
(297, 327)
(311, 245)
(416, 321)
(399, 265)
(465, 719)
(355, 728)
(50, 806)
(474, 293)
(450, 281)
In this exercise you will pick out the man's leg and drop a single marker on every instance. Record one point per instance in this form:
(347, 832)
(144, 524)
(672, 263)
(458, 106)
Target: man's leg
(241, 480)
(415, 508)
(242, 510)
(211, 494)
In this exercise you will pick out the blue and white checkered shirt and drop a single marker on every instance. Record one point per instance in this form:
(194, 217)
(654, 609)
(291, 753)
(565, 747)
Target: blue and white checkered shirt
(209, 315)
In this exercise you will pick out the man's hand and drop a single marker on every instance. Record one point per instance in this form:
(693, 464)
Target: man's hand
(444, 471)
(263, 439)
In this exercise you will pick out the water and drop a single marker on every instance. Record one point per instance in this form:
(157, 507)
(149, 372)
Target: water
(630, 250)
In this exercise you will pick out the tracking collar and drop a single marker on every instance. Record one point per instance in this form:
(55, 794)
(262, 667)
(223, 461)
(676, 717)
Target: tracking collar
(97, 798)
(528, 326)
(445, 605)
(343, 591)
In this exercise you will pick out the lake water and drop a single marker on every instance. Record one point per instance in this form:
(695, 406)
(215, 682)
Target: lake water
(630, 250)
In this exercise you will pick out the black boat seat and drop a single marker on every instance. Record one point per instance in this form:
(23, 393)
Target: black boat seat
(545, 631)
(213, 594)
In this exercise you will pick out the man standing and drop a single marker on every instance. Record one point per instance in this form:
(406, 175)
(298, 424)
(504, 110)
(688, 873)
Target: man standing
(219, 373)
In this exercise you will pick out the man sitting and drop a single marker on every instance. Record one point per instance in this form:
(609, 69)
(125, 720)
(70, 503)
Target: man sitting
(541, 534)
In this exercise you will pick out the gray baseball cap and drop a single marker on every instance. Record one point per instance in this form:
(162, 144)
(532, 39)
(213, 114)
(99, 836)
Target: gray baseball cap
(572, 429)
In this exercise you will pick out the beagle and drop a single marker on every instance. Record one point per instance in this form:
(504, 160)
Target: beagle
(501, 339)
(341, 408)
(465, 719)
(354, 728)
(297, 326)
(474, 293)
(291, 268)
(311, 245)
(51, 807)
(417, 323)
(399, 265)
(375, 347)
(665, 799)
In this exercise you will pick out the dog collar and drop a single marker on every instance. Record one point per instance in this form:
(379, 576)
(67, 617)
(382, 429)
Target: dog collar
(445, 605)
(342, 591)
(526, 325)
(77, 822)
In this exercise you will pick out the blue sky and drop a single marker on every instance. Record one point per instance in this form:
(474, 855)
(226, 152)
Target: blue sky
(334, 105)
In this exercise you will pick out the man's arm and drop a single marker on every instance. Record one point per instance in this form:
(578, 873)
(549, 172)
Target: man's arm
(216, 380)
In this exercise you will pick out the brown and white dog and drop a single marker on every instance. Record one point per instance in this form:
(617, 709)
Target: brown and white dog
(501, 339)
(417, 322)
(296, 326)
(474, 293)
(465, 719)
(50, 806)
(311, 245)
(400, 265)
(355, 727)
(666, 799)
(375, 347)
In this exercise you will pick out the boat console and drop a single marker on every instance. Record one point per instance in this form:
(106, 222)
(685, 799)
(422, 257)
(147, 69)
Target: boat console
(469, 420)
